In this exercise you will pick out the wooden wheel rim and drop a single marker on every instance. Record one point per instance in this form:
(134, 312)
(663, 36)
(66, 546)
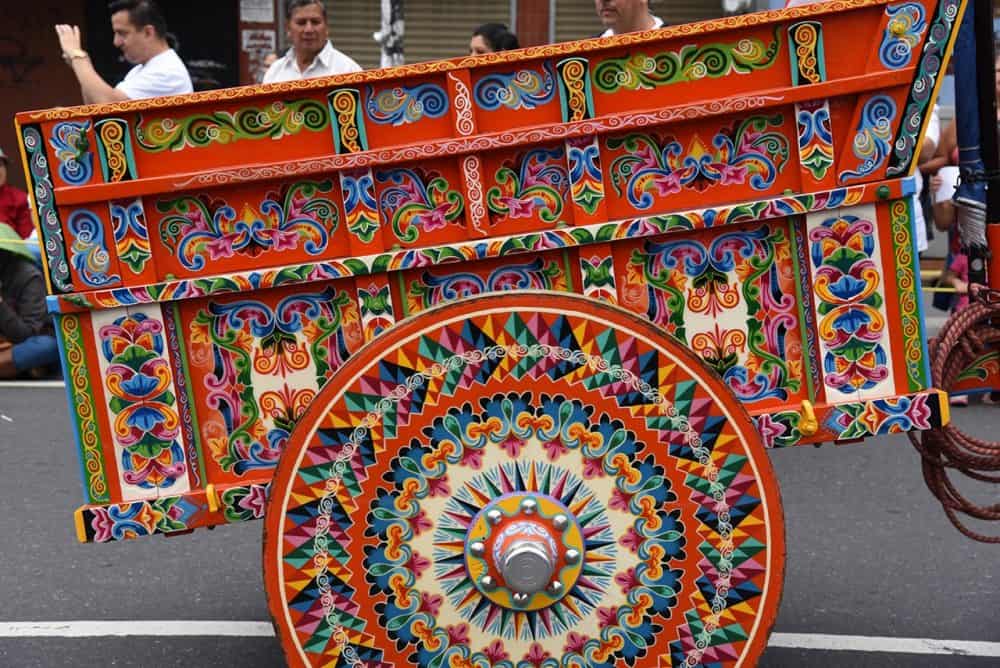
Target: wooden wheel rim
(359, 536)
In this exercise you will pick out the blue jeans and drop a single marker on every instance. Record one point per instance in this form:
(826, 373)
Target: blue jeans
(34, 352)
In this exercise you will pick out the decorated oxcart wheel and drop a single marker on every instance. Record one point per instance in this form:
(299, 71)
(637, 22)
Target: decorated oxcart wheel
(526, 479)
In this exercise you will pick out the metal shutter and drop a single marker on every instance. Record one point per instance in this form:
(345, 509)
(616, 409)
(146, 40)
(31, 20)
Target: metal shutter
(352, 23)
(442, 28)
(434, 28)
(576, 19)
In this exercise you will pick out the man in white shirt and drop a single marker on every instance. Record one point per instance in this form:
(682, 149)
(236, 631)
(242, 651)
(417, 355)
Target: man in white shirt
(311, 54)
(621, 16)
(141, 35)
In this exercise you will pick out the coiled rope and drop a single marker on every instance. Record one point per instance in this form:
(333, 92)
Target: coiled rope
(968, 335)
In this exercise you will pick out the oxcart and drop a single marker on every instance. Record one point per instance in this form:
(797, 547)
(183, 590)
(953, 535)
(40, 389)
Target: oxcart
(497, 346)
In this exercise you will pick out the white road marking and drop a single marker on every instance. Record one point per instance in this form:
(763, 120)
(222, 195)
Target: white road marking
(807, 641)
(20, 384)
(89, 629)
(5, 418)
(884, 644)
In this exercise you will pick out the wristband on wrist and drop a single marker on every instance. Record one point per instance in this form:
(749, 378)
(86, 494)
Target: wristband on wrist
(73, 54)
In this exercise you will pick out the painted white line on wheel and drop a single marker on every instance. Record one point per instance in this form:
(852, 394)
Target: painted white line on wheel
(36, 384)
(807, 641)
(833, 643)
(87, 629)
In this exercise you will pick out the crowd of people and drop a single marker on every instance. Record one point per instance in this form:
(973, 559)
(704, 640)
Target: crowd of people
(141, 34)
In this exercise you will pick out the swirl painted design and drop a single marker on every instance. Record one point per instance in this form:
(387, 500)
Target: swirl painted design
(691, 63)
(84, 406)
(115, 148)
(197, 229)
(89, 252)
(72, 149)
(906, 285)
(902, 35)
(400, 105)
(816, 153)
(276, 120)
(417, 200)
(652, 168)
(872, 142)
(535, 185)
(523, 89)
(45, 207)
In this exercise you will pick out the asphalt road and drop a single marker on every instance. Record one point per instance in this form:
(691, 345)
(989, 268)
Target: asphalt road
(869, 553)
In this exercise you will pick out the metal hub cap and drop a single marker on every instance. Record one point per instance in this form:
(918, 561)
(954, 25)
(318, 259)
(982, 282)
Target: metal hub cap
(524, 551)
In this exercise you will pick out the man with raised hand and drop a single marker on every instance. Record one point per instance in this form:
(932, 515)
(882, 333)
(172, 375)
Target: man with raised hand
(141, 35)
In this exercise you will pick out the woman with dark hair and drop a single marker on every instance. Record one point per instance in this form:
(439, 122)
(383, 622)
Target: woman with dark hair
(490, 38)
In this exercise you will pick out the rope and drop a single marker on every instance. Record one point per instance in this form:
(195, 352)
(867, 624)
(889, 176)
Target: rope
(966, 336)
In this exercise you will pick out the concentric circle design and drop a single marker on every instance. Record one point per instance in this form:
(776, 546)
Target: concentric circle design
(524, 480)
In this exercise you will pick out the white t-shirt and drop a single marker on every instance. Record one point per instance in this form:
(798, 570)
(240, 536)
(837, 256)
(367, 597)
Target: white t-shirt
(919, 222)
(328, 62)
(657, 23)
(163, 74)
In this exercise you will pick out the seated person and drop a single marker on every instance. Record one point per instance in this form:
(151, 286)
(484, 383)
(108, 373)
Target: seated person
(25, 326)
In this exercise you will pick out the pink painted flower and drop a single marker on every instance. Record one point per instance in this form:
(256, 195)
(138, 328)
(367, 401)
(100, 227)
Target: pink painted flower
(472, 458)
(593, 468)
(420, 523)
(219, 248)
(619, 500)
(732, 174)
(284, 240)
(458, 634)
(438, 487)
(495, 652)
(628, 580)
(255, 501)
(418, 564)
(536, 655)
(517, 208)
(430, 603)
(434, 219)
(555, 449)
(575, 643)
(667, 185)
(606, 617)
(513, 446)
(631, 540)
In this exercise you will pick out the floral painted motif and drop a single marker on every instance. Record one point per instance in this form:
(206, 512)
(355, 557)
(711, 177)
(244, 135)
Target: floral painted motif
(902, 34)
(400, 105)
(847, 284)
(815, 139)
(872, 142)
(418, 200)
(278, 119)
(690, 63)
(88, 250)
(652, 169)
(141, 518)
(524, 89)
(436, 288)
(128, 220)
(45, 206)
(884, 416)
(139, 382)
(197, 229)
(536, 185)
(586, 180)
(695, 291)
(296, 347)
(360, 206)
(72, 149)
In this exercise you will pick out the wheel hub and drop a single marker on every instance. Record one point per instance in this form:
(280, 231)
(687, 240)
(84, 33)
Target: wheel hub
(524, 551)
